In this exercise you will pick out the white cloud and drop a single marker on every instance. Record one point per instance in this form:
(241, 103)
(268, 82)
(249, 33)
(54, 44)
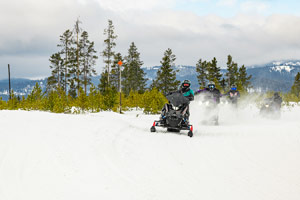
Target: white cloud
(254, 6)
(32, 32)
(143, 5)
(229, 3)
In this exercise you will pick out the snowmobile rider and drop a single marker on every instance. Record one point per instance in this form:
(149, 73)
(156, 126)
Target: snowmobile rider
(233, 94)
(186, 91)
(277, 100)
(211, 90)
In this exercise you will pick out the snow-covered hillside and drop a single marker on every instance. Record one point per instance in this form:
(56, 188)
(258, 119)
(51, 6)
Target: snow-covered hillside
(111, 156)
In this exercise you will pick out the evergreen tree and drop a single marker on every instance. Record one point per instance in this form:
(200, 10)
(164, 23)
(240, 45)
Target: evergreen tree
(296, 86)
(57, 74)
(153, 101)
(35, 97)
(103, 85)
(244, 79)
(232, 72)
(223, 84)
(108, 52)
(95, 99)
(215, 71)
(210, 73)
(82, 100)
(72, 89)
(166, 76)
(115, 72)
(87, 58)
(77, 30)
(202, 73)
(133, 75)
(110, 98)
(65, 44)
(12, 103)
(3, 104)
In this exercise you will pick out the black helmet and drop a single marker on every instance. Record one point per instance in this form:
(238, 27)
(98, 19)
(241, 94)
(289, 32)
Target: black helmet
(186, 84)
(211, 85)
(276, 94)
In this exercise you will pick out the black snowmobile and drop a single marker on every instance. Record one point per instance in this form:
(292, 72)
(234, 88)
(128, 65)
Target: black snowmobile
(270, 109)
(175, 116)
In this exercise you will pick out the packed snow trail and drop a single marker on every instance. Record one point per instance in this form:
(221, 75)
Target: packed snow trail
(111, 156)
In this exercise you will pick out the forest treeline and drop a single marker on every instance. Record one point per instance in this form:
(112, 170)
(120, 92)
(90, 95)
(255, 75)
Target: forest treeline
(73, 66)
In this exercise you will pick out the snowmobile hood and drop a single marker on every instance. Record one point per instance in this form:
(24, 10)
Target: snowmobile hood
(177, 99)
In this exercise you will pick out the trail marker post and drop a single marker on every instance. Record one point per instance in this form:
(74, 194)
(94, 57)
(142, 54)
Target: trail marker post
(120, 86)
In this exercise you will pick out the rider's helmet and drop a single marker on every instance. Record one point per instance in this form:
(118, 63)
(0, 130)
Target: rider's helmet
(186, 84)
(211, 85)
(276, 94)
(233, 87)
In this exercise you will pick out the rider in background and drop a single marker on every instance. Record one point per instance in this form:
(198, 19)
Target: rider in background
(277, 100)
(233, 94)
(211, 90)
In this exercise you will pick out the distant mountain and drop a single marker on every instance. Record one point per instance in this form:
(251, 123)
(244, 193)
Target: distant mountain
(20, 86)
(275, 76)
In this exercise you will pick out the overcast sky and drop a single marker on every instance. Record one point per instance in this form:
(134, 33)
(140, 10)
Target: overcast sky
(252, 31)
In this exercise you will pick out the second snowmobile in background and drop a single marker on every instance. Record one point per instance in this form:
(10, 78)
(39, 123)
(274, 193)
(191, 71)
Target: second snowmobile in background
(270, 109)
(211, 111)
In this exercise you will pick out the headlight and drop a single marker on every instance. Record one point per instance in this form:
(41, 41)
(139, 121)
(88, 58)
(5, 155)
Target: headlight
(267, 106)
(176, 108)
(207, 103)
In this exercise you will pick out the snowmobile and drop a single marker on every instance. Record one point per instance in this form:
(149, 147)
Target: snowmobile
(270, 109)
(210, 109)
(175, 118)
(224, 101)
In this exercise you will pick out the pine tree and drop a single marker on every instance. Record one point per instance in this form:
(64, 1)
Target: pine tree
(57, 73)
(77, 30)
(166, 76)
(82, 100)
(110, 98)
(35, 97)
(243, 79)
(216, 71)
(108, 52)
(296, 86)
(115, 72)
(3, 104)
(12, 103)
(232, 72)
(95, 99)
(65, 44)
(223, 84)
(133, 75)
(72, 89)
(153, 101)
(87, 58)
(103, 85)
(202, 73)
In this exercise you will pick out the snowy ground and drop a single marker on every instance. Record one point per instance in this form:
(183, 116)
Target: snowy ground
(46, 156)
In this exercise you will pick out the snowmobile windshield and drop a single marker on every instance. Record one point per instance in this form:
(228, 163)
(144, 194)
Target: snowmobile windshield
(177, 99)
